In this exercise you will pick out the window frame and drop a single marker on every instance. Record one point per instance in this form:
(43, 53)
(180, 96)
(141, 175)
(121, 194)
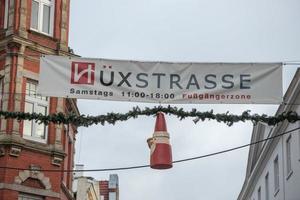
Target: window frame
(112, 195)
(267, 187)
(288, 153)
(276, 175)
(259, 193)
(23, 196)
(36, 102)
(42, 3)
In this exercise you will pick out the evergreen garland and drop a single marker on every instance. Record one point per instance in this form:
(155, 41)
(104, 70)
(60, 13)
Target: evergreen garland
(112, 118)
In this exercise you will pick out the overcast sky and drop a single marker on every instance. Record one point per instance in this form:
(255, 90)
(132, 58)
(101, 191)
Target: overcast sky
(179, 30)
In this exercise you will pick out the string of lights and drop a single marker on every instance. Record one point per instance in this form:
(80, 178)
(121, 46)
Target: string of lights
(147, 166)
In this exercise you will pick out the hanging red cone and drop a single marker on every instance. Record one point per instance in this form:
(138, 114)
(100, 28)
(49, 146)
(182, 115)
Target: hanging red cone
(161, 152)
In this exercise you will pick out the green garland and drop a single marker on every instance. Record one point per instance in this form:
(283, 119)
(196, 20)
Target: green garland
(112, 118)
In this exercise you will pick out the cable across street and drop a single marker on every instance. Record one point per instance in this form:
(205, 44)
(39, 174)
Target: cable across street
(146, 166)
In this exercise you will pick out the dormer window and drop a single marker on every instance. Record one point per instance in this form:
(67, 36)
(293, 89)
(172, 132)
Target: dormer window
(42, 16)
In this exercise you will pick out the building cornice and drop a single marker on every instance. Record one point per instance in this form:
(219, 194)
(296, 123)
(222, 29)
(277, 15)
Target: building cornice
(29, 190)
(43, 49)
(73, 105)
(16, 140)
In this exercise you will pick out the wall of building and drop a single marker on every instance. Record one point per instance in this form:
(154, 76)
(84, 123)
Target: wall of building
(289, 181)
(87, 189)
(20, 50)
(269, 169)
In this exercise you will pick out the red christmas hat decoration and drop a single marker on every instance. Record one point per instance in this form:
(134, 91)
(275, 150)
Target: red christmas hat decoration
(161, 152)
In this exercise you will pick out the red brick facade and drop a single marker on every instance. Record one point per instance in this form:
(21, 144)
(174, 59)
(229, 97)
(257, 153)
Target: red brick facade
(109, 190)
(20, 49)
(104, 189)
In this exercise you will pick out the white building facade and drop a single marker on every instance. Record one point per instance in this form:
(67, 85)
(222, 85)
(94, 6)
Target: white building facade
(273, 168)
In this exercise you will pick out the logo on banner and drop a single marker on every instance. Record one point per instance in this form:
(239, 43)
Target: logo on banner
(83, 73)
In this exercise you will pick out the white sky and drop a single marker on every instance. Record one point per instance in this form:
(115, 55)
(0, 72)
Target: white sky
(179, 30)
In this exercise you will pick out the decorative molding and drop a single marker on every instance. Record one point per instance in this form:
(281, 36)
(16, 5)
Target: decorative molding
(15, 151)
(34, 173)
(73, 106)
(30, 74)
(58, 131)
(59, 127)
(2, 151)
(29, 190)
(23, 18)
(17, 140)
(36, 46)
(64, 27)
(56, 160)
(12, 45)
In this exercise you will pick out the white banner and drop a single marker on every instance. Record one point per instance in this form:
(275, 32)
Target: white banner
(161, 82)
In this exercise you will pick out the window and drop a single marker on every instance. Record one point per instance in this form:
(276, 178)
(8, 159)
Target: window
(288, 156)
(112, 196)
(38, 104)
(276, 175)
(29, 197)
(42, 14)
(5, 14)
(267, 186)
(259, 193)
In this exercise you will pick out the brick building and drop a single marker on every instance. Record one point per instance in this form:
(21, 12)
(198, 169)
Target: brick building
(109, 190)
(28, 29)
